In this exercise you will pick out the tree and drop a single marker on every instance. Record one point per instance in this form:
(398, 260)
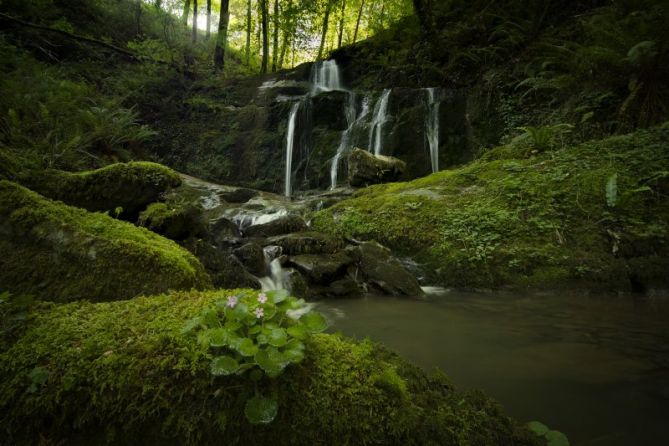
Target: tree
(265, 43)
(275, 46)
(288, 30)
(208, 18)
(357, 22)
(185, 13)
(194, 21)
(248, 32)
(326, 19)
(341, 23)
(222, 36)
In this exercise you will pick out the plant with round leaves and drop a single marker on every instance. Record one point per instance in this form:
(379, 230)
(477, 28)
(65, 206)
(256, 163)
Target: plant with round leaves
(259, 332)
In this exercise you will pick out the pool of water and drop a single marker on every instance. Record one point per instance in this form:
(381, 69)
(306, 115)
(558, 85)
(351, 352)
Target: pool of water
(596, 368)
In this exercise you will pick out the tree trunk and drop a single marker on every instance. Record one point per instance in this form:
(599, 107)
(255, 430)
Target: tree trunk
(275, 43)
(222, 36)
(326, 20)
(185, 13)
(357, 22)
(208, 19)
(194, 21)
(422, 9)
(265, 43)
(158, 4)
(341, 23)
(248, 32)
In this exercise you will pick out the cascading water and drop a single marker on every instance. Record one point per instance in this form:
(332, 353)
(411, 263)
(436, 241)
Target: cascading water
(432, 126)
(345, 141)
(325, 76)
(376, 129)
(290, 139)
(276, 280)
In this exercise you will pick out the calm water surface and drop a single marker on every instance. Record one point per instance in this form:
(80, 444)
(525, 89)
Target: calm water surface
(596, 368)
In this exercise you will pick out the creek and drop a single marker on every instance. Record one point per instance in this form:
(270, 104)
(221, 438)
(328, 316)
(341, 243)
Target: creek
(593, 367)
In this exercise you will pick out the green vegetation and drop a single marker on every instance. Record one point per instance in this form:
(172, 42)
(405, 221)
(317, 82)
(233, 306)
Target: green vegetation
(522, 218)
(124, 373)
(61, 253)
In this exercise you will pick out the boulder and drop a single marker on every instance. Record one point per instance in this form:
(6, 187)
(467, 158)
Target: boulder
(282, 225)
(328, 110)
(252, 257)
(62, 253)
(306, 243)
(174, 222)
(123, 188)
(365, 168)
(382, 271)
(296, 283)
(321, 269)
(223, 232)
(241, 195)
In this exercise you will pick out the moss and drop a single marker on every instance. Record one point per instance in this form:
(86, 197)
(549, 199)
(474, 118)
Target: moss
(519, 221)
(62, 253)
(129, 186)
(123, 373)
(174, 221)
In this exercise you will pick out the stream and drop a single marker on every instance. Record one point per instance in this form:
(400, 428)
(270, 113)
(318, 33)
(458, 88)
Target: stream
(595, 368)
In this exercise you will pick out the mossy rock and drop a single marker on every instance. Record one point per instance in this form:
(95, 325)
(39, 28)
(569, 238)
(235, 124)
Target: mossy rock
(595, 215)
(124, 373)
(176, 222)
(128, 187)
(62, 253)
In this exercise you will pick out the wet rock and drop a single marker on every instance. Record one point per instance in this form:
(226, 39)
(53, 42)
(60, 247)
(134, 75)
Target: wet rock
(174, 222)
(252, 257)
(281, 225)
(223, 231)
(225, 270)
(365, 168)
(379, 269)
(346, 287)
(241, 195)
(296, 283)
(328, 110)
(321, 269)
(306, 243)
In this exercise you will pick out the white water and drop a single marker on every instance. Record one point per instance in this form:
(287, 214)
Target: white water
(345, 142)
(376, 129)
(325, 77)
(276, 280)
(432, 127)
(290, 137)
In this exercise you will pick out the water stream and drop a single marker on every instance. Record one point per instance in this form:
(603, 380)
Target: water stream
(376, 129)
(596, 368)
(432, 126)
(325, 76)
(345, 142)
(290, 137)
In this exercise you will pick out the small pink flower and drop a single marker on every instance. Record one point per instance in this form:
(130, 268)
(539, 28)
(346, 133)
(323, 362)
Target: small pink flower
(232, 301)
(262, 298)
(259, 312)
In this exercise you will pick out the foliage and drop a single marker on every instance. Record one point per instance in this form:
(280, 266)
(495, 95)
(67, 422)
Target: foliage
(552, 437)
(542, 138)
(14, 314)
(261, 334)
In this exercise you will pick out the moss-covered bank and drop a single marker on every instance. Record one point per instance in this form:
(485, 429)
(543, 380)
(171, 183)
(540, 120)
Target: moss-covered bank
(596, 214)
(62, 253)
(128, 186)
(123, 373)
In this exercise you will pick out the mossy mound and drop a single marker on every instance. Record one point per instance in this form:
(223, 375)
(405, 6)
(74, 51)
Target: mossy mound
(123, 373)
(128, 186)
(63, 253)
(594, 215)
(174, 221)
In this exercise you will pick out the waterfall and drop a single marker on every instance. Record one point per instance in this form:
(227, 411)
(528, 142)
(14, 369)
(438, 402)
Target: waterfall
(376, 130)
(325, 76)
(276, 280)
(432, 127)
(290, 137)
(345, 142)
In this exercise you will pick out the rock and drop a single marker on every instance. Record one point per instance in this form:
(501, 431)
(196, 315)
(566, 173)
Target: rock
(126, 187)
(346, 287)
(296, 283)
(384, 272)
(241, 195)
(282, 225)
(174, 222)
(306, 243)
(321, 269)
(365, 168)
(252, 257)
(328, 110)
(223, 231)
(225, 269)
(61, 253)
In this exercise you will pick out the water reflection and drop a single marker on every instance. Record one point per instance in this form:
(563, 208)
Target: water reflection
(596, 368)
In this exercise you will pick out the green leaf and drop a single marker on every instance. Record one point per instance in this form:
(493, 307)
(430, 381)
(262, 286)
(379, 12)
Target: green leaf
(278, 337)
(277, 295)
(271, 361)
(538, 428)
(224, 365)
(261, 410)
(240, 311)
(612, 190)
(218, 337)
(556, 438)
(246, 347)
(191, 325)
(210, 318)
(298, 331)
(294, 351)
(314, 322)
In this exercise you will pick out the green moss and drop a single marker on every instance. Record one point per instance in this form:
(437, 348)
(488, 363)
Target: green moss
(537, 221)
(123, 373)
(62, 253)
(130, 186)
(175, 221)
